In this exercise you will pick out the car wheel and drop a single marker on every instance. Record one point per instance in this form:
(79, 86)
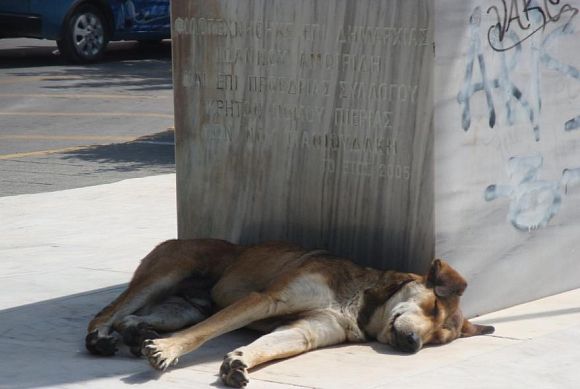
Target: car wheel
(85, 35)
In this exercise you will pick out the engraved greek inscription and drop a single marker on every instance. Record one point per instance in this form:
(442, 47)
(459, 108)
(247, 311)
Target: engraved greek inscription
(254, 135)
(423, 36)
(191, 78)
(357, 63)
(249, 56)
(228, 108)
(227, 82)
(298, 113)
(351, 62)
(364, 144)
(216, 133)
(233, 108)
(313, 32)
(413, 95)
(386, 146)
(210, 27)
(396, 36)
(285, 85)
(344, 117)
(317, 141)
(393, 36)
(373, 91)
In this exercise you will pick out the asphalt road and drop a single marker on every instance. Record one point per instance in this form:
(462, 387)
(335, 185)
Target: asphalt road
(65, 126)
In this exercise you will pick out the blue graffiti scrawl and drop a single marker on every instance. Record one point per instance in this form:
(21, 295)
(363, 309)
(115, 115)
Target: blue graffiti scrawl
(530, 19)
(533, 202)
(537, 24)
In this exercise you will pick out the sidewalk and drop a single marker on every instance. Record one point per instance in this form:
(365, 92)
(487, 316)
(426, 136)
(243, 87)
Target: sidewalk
(64, 255)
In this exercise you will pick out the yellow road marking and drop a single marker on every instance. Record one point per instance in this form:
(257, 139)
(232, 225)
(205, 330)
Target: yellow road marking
(85, 96)
(75, 114)
(18, 79)
(40, 153)
(65, 149)
(67, 137)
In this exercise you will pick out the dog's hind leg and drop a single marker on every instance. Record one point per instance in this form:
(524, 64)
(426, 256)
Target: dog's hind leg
(156, 278)
(313, 330)
(173, 314)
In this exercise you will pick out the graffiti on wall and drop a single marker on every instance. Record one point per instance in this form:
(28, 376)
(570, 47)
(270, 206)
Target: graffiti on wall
(503, 38)
(528, 16)
(533, 201)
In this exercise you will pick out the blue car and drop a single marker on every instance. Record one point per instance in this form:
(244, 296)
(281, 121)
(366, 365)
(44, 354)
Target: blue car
(82, 28)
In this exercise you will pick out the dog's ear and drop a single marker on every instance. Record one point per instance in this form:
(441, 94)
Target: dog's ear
(469, 329)
(444, 280)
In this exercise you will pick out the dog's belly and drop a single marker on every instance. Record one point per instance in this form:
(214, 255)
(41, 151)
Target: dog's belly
(299, 291)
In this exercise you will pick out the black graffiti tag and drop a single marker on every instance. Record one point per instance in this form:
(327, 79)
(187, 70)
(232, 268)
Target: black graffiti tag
(528, 15)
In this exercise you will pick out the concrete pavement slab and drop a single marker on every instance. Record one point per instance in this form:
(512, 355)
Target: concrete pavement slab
(64, 255)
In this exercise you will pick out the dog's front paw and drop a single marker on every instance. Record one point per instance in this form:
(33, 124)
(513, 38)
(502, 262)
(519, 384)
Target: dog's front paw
(234, 371)
(104, 345)
(161, 353)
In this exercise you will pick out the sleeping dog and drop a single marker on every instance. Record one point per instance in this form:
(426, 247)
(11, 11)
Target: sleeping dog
(303, 300)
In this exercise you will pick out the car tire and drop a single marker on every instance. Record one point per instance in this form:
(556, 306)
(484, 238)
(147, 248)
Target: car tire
(85, 35)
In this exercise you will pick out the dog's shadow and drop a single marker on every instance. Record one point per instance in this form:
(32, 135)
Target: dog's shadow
(45, 344)
(213, 351)
(206, 359)
(45, 340)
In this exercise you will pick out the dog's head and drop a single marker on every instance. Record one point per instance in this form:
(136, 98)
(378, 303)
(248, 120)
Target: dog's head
(425, 310)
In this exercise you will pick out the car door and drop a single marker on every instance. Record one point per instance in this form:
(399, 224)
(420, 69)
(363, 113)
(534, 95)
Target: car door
(143, 15)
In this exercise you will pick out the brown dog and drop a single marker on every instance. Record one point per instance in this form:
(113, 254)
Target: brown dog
(304, 299)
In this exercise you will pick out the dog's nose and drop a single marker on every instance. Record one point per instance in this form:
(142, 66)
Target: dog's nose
(410, 343)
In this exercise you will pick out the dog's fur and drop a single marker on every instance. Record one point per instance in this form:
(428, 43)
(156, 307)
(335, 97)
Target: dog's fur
(304, 299)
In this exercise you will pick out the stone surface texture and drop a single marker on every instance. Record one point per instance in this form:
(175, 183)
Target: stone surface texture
(307, 121)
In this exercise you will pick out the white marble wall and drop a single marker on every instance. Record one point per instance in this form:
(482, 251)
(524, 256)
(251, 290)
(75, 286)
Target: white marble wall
(507, 149)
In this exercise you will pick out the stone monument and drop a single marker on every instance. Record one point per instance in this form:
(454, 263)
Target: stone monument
(307, 121)
(388, 131)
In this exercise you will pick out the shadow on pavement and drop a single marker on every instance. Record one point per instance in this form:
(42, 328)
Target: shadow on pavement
(46, 54)
(144, 75)
(129, 65)
(150, 151)
(45, 341)
(30, 56)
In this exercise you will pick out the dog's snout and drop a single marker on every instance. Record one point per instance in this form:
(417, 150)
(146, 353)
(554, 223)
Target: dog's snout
(410, 343)
(413, 340)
